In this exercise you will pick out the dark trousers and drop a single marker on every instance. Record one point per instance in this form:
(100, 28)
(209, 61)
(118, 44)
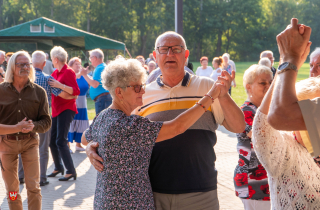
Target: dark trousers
(59, 143)
(102, 103)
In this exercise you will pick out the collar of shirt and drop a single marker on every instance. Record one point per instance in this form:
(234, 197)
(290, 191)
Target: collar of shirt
(37, 69)
(62, 70)
(7, 84)
(184, 82)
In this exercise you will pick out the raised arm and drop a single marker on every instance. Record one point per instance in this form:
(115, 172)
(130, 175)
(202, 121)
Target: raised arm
(233, 116)
(90, 81)
(186, 119)
(294, 47)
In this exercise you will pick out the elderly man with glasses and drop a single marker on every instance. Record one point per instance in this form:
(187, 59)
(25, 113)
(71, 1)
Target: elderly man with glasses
(22, 100)
(182, 170)
(98, 94)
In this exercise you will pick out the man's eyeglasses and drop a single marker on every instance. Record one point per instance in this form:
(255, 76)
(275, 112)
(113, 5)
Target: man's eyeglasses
(137, 88)
(21, 65)
(175, 49)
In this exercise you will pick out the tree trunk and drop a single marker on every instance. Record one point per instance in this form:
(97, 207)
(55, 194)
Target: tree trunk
(219, 44)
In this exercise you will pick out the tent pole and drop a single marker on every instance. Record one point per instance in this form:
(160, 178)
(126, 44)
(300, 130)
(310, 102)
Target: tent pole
(85, 56)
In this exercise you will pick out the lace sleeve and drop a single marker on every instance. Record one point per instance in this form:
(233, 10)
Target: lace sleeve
(268, 143)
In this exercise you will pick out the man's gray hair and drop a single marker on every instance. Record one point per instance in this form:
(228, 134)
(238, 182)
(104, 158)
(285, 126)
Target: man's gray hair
(316, 52)
(97, 53)
(60, 53)
(252, 72)
(120, 72)
(2, 53)
(12, 65)
(265, 62)
(38, 57)
(170, 33)
(265, 53)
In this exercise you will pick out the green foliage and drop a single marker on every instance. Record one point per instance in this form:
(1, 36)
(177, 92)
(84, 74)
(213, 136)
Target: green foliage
(243, 28)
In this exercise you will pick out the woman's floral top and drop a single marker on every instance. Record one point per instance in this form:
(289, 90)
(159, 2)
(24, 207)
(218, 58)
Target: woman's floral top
(125, 145)
(250, 178)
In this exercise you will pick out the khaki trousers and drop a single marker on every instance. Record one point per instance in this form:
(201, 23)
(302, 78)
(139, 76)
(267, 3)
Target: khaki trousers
(188, 201)
(29, 150)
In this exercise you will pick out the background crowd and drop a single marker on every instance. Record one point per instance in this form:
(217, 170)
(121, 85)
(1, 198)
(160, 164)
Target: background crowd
(66, 83)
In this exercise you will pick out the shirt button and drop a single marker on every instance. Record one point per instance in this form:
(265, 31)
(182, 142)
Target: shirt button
(18, 110)
(19, 99)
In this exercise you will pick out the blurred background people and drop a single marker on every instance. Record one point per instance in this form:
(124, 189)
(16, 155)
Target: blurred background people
(151, 66)
(217, 64)
(265, 62)
(269, 54)
(250, 178)
(48, 68)
(151, 58)
(204, 70)
(315, 63)
(228, 67)
(63, 112)
(98, 94)
(81, 121)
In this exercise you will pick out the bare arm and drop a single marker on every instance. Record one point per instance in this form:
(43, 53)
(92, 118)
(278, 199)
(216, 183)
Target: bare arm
(186, 119)
(91, 82)
(84, 139)
(67, 96)
(233, 116)
(294, 47)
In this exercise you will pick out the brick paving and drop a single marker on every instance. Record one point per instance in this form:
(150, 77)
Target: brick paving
(79, 194)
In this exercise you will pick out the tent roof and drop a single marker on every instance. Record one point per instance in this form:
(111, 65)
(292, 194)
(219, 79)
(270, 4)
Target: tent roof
(47, 33)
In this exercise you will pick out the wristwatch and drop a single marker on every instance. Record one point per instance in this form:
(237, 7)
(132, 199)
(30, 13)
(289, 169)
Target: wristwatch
(286, 66)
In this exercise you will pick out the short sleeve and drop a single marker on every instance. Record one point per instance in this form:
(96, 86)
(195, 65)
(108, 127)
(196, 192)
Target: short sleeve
(90, 133)
(97, 74)
(311, 111)
(54, 91)
(144, 130)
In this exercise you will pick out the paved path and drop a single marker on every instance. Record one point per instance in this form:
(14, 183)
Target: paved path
(79, 194)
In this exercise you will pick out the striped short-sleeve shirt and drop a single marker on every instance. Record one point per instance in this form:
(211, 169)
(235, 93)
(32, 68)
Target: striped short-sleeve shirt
(185, 163)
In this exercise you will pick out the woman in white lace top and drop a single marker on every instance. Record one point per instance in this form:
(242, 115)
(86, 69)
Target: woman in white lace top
(294, 177)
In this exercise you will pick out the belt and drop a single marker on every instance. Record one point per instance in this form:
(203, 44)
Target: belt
(102, 94)
(20, 137)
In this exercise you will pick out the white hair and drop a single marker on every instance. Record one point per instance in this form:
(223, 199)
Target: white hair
(316, 52)
(38, 57)
(252, 72)
(170, 33)
(265, 53)
(152, 62)
(2, 53)
(120, 72)
(97, 53)
(60, 53)
(265, 62)
(226, 54)
(12, 65)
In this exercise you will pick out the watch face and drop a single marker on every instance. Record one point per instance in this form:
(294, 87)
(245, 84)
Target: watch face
(283, 66)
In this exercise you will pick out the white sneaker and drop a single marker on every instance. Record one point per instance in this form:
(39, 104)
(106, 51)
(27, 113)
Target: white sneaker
(80, 149)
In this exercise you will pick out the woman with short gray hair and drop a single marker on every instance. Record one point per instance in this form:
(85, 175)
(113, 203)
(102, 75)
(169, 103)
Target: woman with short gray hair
(63, 112)
(250, 178)
(126, 141)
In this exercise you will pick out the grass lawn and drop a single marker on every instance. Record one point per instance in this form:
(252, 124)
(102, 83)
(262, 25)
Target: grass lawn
(238, 93)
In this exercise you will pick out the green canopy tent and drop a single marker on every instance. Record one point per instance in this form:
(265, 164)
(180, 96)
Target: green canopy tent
(46, 33)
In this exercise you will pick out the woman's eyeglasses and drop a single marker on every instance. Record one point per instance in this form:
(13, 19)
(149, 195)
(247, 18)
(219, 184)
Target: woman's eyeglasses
(137, 88)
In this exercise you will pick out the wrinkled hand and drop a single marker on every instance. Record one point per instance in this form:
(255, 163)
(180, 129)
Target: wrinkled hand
(225, 81)
(294, 44)
(25, 126)
(84, 71)
(55, 83)
(94, 158)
